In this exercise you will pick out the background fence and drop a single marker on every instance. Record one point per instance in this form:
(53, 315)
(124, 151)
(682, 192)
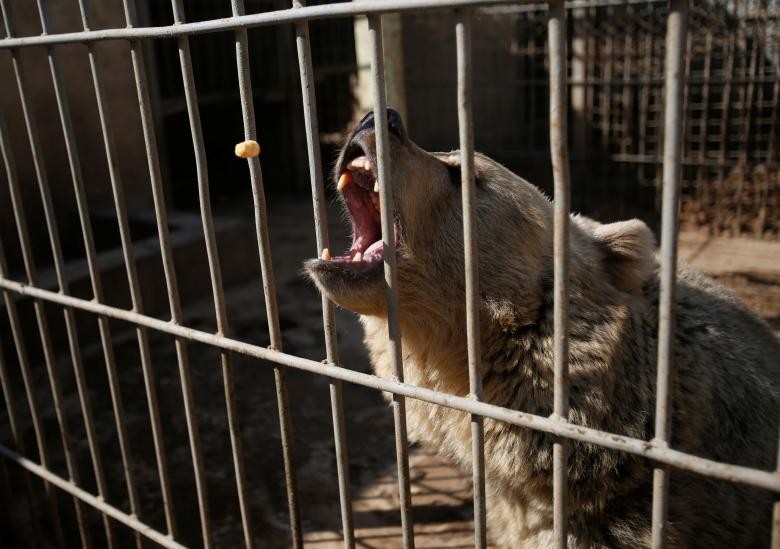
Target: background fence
(119, 467)
(729, 179)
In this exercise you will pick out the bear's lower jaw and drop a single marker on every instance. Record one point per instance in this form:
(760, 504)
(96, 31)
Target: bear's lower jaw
(358, 289)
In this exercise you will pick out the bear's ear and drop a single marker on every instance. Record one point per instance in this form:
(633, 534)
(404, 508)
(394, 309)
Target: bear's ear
(452, 162)
(629, 253)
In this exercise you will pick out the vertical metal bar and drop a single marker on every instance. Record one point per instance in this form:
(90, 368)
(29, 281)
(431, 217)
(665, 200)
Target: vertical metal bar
(70, 325)
(21, 351)
(674, 68)
(391, 280)
(319, 204)
(556, 33)
(266, 266)
(215, 274)
(94, 274)
(185, 377)
(161, 219)
(471, 264)
(24, 364)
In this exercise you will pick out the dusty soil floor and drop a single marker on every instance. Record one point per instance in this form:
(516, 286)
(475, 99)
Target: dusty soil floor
(441, 494)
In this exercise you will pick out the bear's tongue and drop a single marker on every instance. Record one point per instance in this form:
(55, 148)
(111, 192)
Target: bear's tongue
(375, 252)
(358, 187)
(360, 190)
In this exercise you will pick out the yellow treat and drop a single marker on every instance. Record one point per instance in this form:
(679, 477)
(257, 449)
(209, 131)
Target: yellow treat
(247, 149)
(326, 254)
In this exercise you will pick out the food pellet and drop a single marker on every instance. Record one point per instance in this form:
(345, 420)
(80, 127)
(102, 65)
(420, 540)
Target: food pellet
(247, 149)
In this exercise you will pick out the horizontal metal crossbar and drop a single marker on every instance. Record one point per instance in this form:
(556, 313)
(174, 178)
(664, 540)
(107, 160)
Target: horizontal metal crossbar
(649, 449)
(309, 13)
(95, 501)
(292, 15)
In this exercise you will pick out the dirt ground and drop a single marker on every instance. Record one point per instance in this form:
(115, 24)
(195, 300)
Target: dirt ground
(441, 494)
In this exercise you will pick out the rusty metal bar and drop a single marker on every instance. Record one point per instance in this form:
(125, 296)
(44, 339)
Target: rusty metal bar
(193, 113)
(309, 13)
(471, 265)
(674, 68)
(163, 231)
(215, 274)
(654, 450)
(40, 316)
(24, 363)
(391, 281)
(43, 327)
(319, 205)
(269, 285)
(89, 246)
(131, 521)
(556, 37)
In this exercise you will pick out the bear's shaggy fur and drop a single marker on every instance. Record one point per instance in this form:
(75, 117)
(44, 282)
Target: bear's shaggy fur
(725, 381)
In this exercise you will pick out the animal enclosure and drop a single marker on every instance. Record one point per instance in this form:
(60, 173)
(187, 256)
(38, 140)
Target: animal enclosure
(74, 477)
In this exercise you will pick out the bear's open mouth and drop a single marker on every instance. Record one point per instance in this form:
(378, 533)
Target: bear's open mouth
(359, 187)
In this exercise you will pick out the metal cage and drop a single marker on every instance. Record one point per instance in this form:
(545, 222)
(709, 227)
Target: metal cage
(299, 16)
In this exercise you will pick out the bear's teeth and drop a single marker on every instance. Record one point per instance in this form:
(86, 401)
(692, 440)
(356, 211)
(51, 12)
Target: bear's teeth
(344, 180)
(360, 163)
(358, 257)
(376, 186)
(326, 254)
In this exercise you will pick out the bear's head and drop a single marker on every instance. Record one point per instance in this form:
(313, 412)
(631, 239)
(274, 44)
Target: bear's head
(514, 228)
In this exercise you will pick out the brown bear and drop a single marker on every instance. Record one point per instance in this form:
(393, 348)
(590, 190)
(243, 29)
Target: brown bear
(726, 364)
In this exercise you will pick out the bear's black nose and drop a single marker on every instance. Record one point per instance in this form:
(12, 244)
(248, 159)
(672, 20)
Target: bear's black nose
(394, 123)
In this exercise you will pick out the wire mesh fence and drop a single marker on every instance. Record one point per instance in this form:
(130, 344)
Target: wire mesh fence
(616, 95)
(92, 495)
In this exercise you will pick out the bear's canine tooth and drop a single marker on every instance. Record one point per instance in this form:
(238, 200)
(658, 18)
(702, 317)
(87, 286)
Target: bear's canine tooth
(376, 186)
(357, 257)
(344, 180)
(326, 254)
(367, 165)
